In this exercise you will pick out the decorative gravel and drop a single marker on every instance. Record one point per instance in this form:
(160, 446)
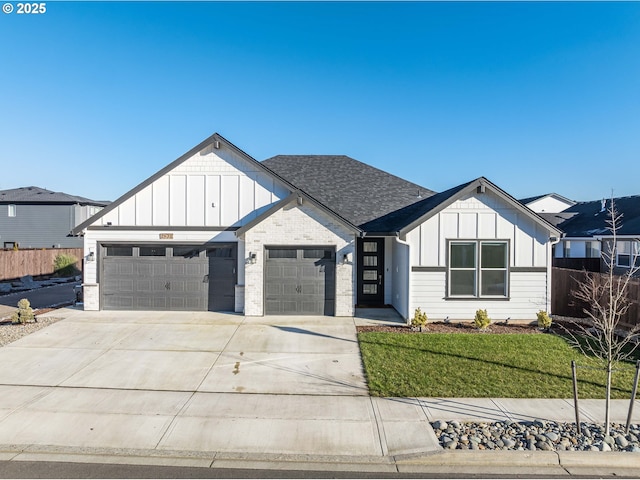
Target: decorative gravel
(536, 435)
(10, 333)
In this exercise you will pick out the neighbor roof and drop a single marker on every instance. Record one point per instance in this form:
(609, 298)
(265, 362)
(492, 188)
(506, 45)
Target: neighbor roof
(354, 190)
(590, 218)
(40, 195)
(538, 197)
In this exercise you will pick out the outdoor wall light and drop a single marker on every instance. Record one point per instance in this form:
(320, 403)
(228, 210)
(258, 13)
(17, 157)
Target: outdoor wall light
(91, 257)
(252, 257)
(345, 258)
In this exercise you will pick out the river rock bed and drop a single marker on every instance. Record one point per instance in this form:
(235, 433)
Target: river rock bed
(535, 435)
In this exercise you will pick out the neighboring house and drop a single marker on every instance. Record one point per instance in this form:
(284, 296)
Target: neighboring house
(32, 217)
(218, 230)
(587, 240)
(548, 203)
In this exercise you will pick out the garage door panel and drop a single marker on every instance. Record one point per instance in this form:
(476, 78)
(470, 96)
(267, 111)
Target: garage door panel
(159, 269)
(177, 269)
(143, 286)
(303, 283)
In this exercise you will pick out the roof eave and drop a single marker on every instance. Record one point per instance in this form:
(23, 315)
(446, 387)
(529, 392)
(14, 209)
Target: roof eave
(216, 137)
(481, 182)
(286, 201)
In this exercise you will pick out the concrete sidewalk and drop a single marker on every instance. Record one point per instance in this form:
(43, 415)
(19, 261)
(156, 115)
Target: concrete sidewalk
(224, 391)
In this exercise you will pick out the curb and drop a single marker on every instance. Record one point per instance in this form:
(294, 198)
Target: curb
(619, 464)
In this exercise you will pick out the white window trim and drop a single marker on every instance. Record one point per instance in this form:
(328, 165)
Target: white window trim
(478, 269)
(11, 210)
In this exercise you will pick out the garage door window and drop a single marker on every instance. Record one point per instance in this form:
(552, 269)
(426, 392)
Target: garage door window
(283, 253)
(119, 252)
(186, 252)
(318, 254)
(153, 251)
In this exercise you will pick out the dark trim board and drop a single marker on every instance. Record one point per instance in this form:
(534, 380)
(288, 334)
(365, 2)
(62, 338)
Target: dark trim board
(511, 269)
(428, 269)
(163, 228)
(527, 269)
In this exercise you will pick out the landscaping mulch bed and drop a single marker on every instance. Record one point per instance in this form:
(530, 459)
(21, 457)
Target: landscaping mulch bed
(469, 327)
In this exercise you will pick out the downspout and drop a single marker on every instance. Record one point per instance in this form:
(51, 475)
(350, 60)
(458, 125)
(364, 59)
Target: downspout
(552, 242)
(403, 242)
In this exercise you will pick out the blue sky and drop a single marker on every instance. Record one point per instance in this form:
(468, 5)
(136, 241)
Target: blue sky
(537, 97)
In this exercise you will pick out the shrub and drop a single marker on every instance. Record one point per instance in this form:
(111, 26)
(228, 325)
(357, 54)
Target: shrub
(65, 265)
(24, 314)
(544, 320)
(482, 319)
(419, 318)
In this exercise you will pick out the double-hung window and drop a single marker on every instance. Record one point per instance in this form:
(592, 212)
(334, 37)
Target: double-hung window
(11, 210)
(478, 268)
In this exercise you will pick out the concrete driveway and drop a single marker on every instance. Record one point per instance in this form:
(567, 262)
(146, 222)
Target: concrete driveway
(190, 352)
(173, 381)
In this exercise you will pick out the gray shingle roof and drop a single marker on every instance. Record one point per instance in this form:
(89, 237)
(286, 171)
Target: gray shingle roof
(41, 195)
(357, 192)
(589, 219)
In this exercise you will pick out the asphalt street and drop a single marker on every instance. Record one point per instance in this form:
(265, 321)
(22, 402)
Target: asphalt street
(42, 297)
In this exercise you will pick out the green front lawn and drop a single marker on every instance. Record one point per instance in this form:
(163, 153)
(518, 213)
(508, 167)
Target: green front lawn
(482, 365)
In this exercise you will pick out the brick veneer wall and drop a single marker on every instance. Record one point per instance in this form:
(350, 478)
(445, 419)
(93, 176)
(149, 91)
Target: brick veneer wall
(296, 225)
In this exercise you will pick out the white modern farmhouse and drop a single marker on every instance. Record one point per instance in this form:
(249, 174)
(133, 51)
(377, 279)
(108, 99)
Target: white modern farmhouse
(313, 235)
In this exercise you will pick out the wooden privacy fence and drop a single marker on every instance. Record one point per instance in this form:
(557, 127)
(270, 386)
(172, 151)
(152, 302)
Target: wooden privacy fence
(564, 281)
(18, 263)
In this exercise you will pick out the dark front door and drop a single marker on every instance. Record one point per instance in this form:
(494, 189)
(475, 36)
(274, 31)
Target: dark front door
(371, 272)
(222, 277)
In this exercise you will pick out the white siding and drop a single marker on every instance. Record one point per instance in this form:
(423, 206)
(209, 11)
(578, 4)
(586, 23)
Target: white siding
(160, 201)
(178, 202)
(528, 295)
(400, 278)
(489, 219)
(144, 207)
(214, 188)
(196, 198)
(479, 217)
(548, 205)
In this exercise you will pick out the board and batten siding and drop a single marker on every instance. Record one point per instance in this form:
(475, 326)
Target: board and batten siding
(480, 217)
(213, 188)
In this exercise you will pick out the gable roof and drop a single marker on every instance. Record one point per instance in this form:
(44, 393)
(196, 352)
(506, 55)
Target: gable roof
(590, 218)
(554, 195)
(215, 138)
(406, 219)
(37, 195)
(354, 190)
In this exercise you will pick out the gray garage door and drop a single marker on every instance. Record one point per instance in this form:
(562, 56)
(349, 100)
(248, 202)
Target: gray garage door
(300, 280)
(162, 277)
